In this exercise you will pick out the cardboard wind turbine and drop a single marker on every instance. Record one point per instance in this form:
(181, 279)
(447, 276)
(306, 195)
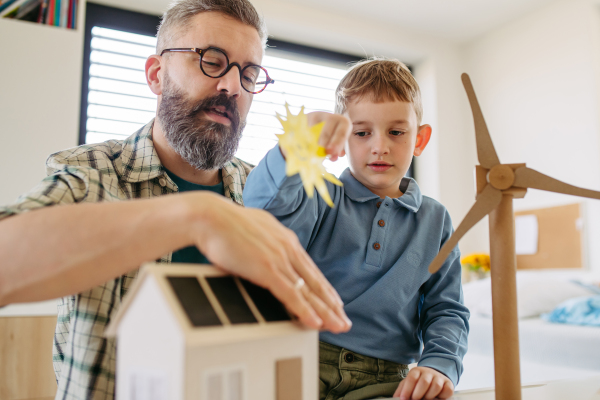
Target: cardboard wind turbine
(497, 185)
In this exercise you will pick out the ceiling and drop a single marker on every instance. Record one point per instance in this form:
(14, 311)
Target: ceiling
(455, 20)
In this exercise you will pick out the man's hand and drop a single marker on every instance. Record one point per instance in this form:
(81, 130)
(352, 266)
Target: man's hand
(335, 132)
(251, 243)
(424, 383)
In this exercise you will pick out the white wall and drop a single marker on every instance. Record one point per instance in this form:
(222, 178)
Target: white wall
(40, 86)
(537, 82)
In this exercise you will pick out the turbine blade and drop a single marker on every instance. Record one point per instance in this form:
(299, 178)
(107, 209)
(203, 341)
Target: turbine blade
(530, 178)
(487, 200)
(486, 153)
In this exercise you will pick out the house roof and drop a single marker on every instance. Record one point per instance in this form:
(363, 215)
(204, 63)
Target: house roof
(207, 301)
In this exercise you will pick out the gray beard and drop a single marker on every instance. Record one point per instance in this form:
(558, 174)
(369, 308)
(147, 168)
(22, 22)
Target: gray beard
(202, 143)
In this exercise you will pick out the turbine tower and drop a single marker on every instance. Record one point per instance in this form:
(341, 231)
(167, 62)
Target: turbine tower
(497, 185)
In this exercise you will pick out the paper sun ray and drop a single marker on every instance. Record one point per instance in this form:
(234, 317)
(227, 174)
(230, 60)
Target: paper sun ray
(304, 155)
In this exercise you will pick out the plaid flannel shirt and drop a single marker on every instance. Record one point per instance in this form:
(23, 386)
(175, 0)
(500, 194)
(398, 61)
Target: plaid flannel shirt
(116, 170)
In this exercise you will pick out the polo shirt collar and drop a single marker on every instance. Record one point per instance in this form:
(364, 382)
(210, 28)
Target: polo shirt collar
(356, 191)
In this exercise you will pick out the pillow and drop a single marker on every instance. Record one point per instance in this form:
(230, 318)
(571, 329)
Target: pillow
(536, 294)
(578, 311)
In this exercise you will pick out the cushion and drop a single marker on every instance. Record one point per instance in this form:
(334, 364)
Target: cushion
(578, 311)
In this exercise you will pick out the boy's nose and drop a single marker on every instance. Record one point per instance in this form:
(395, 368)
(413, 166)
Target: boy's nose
(379, 145)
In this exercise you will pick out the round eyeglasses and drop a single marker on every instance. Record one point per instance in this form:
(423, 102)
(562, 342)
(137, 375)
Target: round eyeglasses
(214, 63)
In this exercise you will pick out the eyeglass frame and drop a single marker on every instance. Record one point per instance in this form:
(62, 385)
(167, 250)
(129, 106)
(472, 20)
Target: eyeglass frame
(229, 65)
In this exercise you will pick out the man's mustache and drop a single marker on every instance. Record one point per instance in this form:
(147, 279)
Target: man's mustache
(219, 100)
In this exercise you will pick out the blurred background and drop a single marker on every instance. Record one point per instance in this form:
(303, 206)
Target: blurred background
(534, 64)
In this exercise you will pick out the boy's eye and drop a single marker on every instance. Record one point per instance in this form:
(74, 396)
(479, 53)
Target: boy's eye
(361, 134)
(396, 133)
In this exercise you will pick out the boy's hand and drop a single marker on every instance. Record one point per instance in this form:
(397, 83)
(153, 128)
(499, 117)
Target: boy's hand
(335, 132)
(424, 383)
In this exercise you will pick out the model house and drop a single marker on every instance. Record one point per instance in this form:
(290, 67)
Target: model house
(194, 332)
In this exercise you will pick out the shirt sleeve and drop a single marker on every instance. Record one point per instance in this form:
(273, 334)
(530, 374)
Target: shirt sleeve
(65, 184)
(444, 317)
(268, 187)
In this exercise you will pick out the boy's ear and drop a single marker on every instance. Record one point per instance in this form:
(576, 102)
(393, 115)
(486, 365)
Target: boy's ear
(423, 136)
(153, 74)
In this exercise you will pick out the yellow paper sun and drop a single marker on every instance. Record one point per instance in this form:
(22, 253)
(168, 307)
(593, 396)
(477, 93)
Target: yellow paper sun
(304, 155)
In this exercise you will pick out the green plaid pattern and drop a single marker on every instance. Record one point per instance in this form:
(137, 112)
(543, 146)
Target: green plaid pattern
(84, 360)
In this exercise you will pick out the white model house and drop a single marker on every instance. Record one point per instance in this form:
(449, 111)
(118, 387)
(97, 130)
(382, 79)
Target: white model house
(194, 332)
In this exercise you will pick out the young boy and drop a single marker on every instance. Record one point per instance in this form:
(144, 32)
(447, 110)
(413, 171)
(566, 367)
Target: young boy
(375, 246)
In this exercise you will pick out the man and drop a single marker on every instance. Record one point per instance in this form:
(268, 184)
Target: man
(74, 237)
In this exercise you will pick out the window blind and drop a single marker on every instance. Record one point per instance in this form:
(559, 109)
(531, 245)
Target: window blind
(120, 102)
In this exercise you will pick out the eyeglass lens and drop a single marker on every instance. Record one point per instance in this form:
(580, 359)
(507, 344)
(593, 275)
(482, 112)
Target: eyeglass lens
(214, 63)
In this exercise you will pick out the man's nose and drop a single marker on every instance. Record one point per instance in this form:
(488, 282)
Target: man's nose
(231, 82)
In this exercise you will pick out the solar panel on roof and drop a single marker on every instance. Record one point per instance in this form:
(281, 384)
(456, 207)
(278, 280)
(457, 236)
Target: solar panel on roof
(194, 300)
(270, 308)
(231, 299)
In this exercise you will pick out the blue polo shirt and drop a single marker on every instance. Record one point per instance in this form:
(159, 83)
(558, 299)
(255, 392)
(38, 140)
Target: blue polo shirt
(375, 252)
(191, 254)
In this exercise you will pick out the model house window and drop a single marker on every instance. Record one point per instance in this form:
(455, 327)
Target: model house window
(116, 100)
(224, 384)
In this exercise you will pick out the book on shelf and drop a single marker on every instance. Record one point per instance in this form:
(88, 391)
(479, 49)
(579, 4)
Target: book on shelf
(61, 13)
(8, 6)
(5, 4)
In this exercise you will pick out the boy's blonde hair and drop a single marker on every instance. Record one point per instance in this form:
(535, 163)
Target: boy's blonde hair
(382, 80)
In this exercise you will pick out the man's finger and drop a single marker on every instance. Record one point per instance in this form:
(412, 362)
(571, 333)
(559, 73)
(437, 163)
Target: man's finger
(331, 307)
(302, 266)
(283, 290)
(314, 278)
(321, 287)
(331, 321)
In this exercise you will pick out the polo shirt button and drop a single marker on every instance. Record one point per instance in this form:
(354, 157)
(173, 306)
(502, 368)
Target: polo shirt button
(162, 182)
(376, 246)
(378, 204)
(381, 223)
(349, 357)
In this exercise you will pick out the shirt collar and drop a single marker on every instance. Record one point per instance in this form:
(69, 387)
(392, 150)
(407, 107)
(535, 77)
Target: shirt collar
(138, 161)
(356, 191)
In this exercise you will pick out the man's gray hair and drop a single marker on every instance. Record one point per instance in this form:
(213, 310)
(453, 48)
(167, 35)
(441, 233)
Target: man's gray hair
(177, 18)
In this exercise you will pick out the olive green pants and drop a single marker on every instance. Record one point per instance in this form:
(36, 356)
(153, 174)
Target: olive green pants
(345, 375)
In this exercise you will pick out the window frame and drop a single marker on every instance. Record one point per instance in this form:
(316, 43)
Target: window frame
(112, 18)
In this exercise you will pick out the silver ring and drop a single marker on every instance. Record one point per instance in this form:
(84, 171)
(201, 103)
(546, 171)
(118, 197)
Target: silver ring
(299, 283)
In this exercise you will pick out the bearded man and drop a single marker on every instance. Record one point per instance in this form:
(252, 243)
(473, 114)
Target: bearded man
(171, 191)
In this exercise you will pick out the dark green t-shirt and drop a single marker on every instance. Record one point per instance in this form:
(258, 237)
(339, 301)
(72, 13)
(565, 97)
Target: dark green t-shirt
(191, 254)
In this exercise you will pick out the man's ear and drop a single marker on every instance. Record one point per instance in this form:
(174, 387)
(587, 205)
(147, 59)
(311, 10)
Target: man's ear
(154, 74)
(423, 136)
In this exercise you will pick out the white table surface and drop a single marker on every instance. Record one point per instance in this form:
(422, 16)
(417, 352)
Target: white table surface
(571, 389)
(39, 309)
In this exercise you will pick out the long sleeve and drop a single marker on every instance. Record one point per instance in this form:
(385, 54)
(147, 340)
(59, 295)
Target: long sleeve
(269, 188)
(444, 319)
